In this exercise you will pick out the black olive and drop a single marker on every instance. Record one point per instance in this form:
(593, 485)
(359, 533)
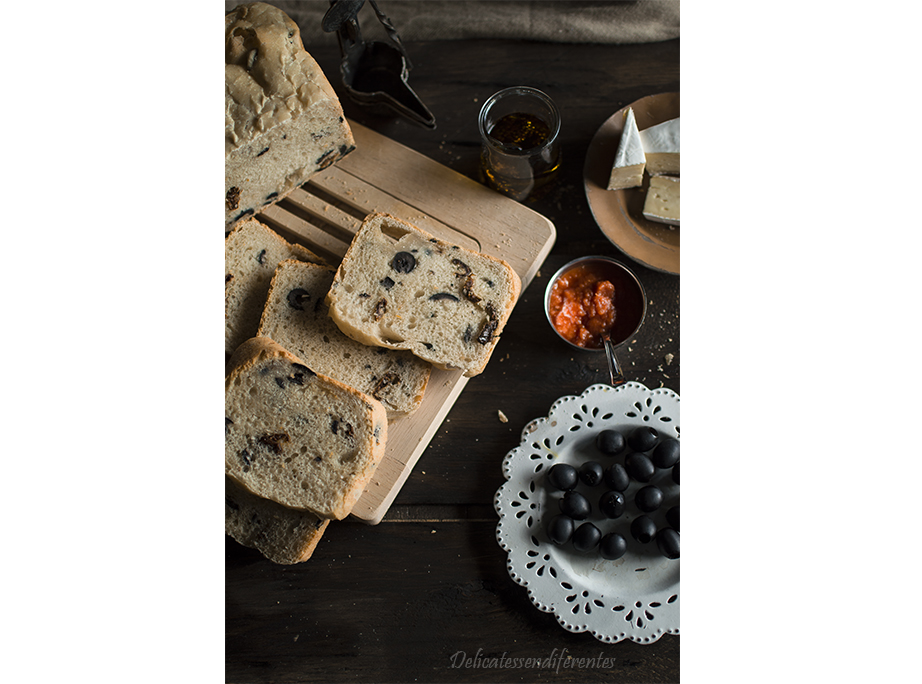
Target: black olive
(486, 332)
(299, 372)
(403, 262)
(649, 498)
(586, 537)
(273, 441)
(232, 199)
(298, 297)
(575, 505)
(675, 473)
(643, 529)
(642, 438)
(465, 269)
(616, 477)
(639, 467)
(380, 308)
(387, 283)
(672, 517)
(612, 504)
(612, 546)
(667, 541)
(666, 453)
(560, 529)
(468, 289)
(610, 442)
(301, 368)
(591, 473)
(563, 477)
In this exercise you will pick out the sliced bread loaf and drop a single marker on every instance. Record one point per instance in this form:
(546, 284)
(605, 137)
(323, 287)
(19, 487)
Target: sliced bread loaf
(281, 534)
(282, 120)
(298, 438)
(296, 317)
(251, 253)
(399, 287)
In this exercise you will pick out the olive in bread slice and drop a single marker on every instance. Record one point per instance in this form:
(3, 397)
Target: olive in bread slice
(399, 287)
(252, 251)
(296, 437)
(296, 317)
(281, 534)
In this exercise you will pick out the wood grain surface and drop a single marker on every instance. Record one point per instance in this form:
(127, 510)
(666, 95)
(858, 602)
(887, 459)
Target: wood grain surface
(425, 595)
(384, 176)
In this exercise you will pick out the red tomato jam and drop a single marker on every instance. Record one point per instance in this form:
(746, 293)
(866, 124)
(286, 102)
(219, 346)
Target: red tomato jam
(582, 306)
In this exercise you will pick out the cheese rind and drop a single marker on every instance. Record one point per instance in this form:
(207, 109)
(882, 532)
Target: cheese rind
(661, 147)
(627, 169)
(662, 202)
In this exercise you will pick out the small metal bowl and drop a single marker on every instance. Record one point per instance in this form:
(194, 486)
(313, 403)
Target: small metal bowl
(630, 299)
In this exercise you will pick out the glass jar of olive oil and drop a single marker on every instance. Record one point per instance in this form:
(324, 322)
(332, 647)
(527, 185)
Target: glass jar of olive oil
(520, 151)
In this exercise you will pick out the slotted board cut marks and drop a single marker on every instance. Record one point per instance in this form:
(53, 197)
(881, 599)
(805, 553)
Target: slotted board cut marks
(382, 175)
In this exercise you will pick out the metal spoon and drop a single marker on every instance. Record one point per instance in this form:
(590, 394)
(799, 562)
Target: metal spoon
(614, 368)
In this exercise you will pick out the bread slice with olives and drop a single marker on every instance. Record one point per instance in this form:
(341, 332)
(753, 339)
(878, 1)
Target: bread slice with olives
(398, 287)
(295, 437)
(281, 534)
(252, 251)
(296, 316)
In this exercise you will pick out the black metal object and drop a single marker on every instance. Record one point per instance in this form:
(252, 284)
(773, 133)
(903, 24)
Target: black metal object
(375, 73)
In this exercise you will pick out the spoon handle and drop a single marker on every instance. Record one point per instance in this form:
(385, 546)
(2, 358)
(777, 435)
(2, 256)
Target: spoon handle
(614, 368)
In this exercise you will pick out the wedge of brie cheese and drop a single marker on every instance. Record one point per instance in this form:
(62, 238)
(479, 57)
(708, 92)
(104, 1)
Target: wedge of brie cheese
(627, 170)
(661, 147)
(662, 202)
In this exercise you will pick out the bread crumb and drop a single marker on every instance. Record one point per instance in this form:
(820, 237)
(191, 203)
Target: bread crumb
(502, 417)
(669, 358)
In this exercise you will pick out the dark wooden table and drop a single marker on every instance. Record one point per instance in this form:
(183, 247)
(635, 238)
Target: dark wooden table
(396, 602)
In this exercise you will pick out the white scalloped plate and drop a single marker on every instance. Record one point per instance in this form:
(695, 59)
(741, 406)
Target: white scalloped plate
(635, 597)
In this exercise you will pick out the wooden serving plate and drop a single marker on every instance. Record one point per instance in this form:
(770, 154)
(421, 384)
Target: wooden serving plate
(619, 213)
(383, 175)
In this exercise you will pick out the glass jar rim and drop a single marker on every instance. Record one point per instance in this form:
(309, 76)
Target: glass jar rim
(521, 90)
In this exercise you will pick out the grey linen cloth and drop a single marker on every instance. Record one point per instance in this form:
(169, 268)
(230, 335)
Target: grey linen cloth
(562, 21)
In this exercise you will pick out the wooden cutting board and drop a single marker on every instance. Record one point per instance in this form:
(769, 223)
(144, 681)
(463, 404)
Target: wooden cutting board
(383, 175)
